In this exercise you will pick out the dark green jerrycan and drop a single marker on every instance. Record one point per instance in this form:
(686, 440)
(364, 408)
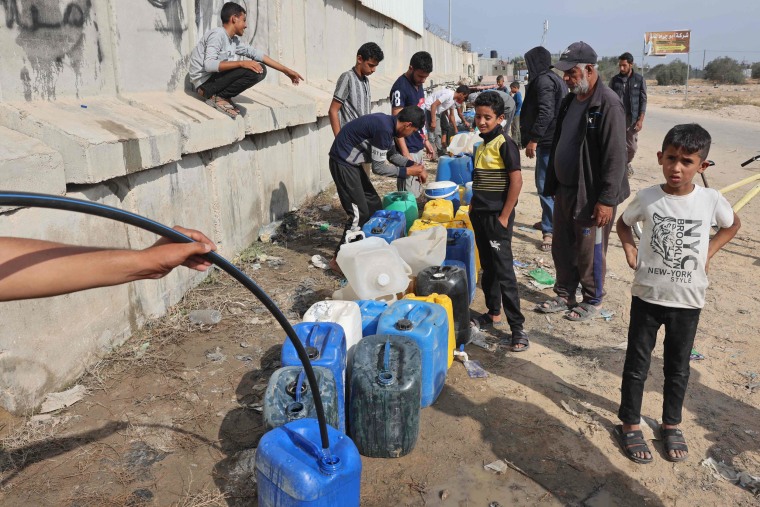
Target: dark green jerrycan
(386, 383)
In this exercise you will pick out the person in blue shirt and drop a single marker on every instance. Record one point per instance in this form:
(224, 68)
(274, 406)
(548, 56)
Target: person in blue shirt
(369, 138)
(514, 91)
(408, 91)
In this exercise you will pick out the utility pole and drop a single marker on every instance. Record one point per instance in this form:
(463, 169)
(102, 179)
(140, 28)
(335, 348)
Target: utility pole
(546, 33)
(449, 21)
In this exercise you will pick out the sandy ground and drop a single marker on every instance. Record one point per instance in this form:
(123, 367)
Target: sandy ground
(172, 417)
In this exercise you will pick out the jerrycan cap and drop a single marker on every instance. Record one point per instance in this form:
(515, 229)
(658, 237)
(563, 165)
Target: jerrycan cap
(312, 352)
(404, 325)
(383, 279)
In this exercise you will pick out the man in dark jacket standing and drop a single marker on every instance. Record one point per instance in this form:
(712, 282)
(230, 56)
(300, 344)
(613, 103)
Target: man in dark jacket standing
(586, 176)
(632, 90)
(538, 118)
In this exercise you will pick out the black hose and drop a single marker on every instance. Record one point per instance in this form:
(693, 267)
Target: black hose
(32, 200)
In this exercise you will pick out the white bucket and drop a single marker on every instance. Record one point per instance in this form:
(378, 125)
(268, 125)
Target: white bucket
(441, 189)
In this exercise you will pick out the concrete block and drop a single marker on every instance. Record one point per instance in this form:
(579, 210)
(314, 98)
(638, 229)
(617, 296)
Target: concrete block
(28, 165)
(326, 138)
(316, 63)
(103, 140)
(201, 127)
(47, 343)
(173, 194)
(286, 108)
(275, 160)
(381, 86)
(158, 29)
(306, 154)
(321, 98)
(62, 50)
(237, 195)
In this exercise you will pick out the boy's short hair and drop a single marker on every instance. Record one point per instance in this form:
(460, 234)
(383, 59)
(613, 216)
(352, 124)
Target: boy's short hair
(514, 84)
(499, 78)
(370, 51)
(422, 60)
(492, 100)
(464, 89)
(412, 114)
(230, 9)
(690, 137)
(628, 57)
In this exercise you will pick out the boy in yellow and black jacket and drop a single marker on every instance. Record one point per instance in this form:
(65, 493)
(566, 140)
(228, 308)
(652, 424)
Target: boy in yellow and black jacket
(497, 181)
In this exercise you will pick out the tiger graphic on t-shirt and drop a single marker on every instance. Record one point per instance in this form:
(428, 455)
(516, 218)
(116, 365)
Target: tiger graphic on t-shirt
(663, 240)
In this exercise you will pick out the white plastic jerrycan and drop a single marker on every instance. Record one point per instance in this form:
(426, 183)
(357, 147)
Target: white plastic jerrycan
(423, 248)
(373, 268)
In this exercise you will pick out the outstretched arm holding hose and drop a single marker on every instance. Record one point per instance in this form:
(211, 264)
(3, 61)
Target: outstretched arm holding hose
(32, 268)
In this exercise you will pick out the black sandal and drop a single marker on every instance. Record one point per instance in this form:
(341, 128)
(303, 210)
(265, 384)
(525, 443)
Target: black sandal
(674, 441)
(519, 338)
(632, 442)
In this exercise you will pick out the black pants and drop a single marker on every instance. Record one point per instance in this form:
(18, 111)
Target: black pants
(680, 329)
(230, 83)
(498, 281)
(357, 196)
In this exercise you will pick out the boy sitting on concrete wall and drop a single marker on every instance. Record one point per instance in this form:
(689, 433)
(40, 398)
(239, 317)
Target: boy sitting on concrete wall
(222, 66)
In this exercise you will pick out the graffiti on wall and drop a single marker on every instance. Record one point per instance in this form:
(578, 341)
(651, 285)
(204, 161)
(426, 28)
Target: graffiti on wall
(52, 34)
(174, 23)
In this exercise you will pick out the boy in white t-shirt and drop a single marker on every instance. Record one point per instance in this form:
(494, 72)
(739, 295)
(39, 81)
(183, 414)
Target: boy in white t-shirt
(669, 286)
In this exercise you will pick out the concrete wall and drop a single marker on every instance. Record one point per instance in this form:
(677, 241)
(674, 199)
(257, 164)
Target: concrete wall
(94, 105)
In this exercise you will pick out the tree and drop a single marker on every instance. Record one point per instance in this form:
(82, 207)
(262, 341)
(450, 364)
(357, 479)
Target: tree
(466, 46)
(724, 70)
(673, 73)
(756, 70)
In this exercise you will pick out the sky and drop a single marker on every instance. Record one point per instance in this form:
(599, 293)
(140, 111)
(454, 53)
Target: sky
(611, 27)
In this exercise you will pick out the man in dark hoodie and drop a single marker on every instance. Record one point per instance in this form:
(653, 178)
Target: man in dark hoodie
(538, 118)
(587, 177)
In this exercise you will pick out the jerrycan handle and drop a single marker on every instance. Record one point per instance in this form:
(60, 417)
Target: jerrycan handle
(385, 377)
(357, 235)
(299, 386)
(313, 338)
(380, 229)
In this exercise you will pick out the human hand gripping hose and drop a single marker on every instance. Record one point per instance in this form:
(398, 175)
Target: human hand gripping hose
(33, 200)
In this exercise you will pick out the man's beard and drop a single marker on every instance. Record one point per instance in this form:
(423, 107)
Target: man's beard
(582, 87)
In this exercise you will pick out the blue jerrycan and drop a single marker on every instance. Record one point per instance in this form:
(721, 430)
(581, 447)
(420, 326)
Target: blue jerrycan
(386, 381)
(371, 311)
(386, 224)
(288, 397)
(427, 324)
(293, 470)
(460, 246)
(325, 344)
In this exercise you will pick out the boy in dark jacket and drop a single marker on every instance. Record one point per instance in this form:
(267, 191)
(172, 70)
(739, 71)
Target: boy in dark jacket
(538, 118)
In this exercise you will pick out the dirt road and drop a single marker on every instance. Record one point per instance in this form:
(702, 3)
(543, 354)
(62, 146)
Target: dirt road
(173, 417)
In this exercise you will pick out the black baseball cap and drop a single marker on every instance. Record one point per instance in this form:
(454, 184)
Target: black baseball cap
(577, 52)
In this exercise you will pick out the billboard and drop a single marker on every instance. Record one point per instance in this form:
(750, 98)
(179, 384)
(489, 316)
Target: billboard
(667, 43)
